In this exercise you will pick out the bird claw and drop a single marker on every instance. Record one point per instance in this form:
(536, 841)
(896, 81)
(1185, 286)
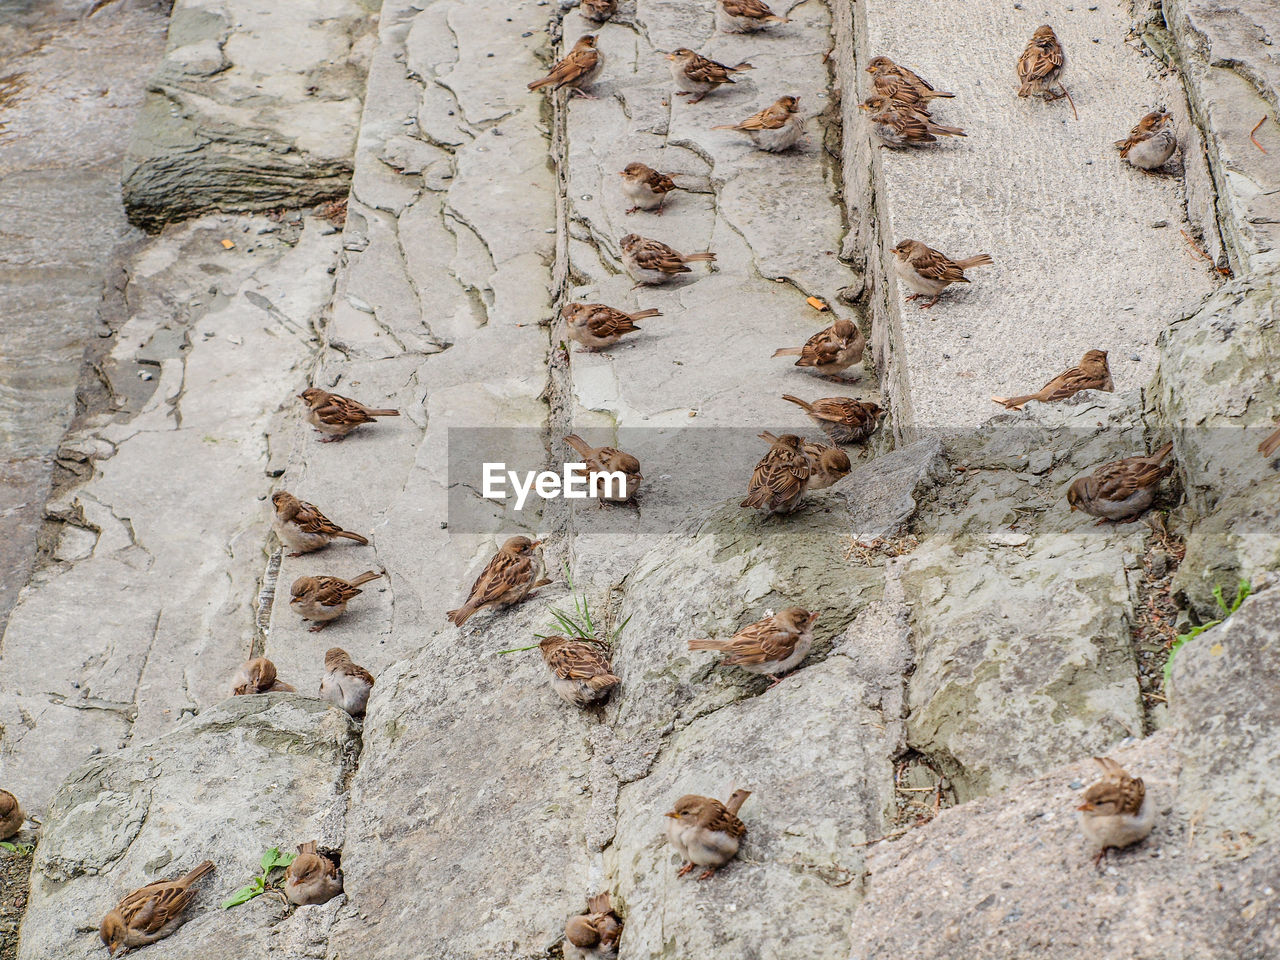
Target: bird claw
(330, 439)
(685, 869)
(317, 628)
(707, 874)
(295, 553)
(929, 305)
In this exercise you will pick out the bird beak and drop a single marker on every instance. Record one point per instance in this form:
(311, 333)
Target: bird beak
(294, 599)
(536, 543)
(813, 618)
(672, 814)
(1085, 806)
(671, 56)
(1073, 508)
(301, 397)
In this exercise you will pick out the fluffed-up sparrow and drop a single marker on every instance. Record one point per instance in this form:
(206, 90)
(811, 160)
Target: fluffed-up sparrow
(598, 11)
(11, 816)
(926, 272)
(776, 128)
(651, 261)
(312, 877)
(827, 465)
(706, 832)
(829, 351)
(1092, 374)
(745, 16)
(780, 478)
(151, 912)
(593, 935)
(509, 577)
(843, 419)
(883, 66)
(772, 646)
(1121, 490)
(323, 599)
(335, 415)
(1269, 446)
(1116, 812)
(301, 525)
(577, 70)
(345, 683)
(258, 676)
(1042, 67)
(608, 460)
(645, 187)
(596, 326)
(696, 75)
(895, 125)
(580, 672)
(1151, 143)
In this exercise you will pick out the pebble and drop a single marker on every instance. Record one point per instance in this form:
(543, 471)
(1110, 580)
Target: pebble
(1135, 358)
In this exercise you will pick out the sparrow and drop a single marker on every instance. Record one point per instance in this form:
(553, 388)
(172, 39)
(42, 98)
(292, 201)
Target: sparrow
(598, 10)
(11, 816)
(335, 415)
(1092, 374)
(745, 16)
(258, 676)
(580, 672)
(706, 832)
(843, 419)
(1115, 812)
(780, 478)
(608, 460)
(899, 126)
(829, 351)
(1269, 446)
(151, 912)
(771, 646)
(1151, 143)
(303, 527)
(883, 66)
(901, 91)
(827, 465)
(509, 577)
(593, 935)
(776, 128)
(649, 261)
(321, 599)
(927, 272)
(645, 187)
(311, 878)
(345, 683)
(696, 76)
(578, 69)
(1123, 489)
(596, 326)
(1042, 67)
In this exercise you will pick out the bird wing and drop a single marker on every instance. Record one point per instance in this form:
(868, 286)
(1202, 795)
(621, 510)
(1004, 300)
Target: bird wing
(783, 471)
(747, 8)
(578, 661)
(310, 520)
(937, 266)
(333, 591)
(1039, 60)
(1120, 480)
(653, 255)
(842, 410)
(761, 642)
(659, 182)
(715, 816)
(501, 574)
(573, 67)
(342, 410)
(822, 348)
(770, 118)
(704, 70)
(608, 322)
(149, 908)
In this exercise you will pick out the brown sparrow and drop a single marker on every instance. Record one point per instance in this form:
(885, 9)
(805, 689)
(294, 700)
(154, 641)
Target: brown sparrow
(899, 126)
(580, 672)
(509, 577)
(597, 326)
(578, 69)
(258, 676)
(771, 646)
(336, 416)
(1116, 812)
(745, 16)
(776, 128)
(706, 832)
(322, 599)
(780, 478)
(645, 187)
(1092, 374)
(1151, 143)
(1269, 446)
(883, 66)
(696, 76)
(902, 92)
(345, 683)
(1123, 489)
(303, 527)
(1042, 67)
(11, 816)
(595, 934)
(649, 261)
(927, 272)
(843, 419)
(829, 351)
(608, 460)
(598, 10)
(151, 912)
(311, 878)
(827, 465)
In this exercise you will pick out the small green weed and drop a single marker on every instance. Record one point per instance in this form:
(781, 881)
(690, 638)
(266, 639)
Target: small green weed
(271, 860)
(1243, 589)
(17, 849)
(576, 624)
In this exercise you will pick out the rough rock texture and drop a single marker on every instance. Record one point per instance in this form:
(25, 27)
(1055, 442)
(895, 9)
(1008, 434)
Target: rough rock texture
(255, 105)
(253, 773)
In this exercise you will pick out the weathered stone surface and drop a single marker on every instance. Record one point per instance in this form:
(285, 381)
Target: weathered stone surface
(252, 773)
(255, 105)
